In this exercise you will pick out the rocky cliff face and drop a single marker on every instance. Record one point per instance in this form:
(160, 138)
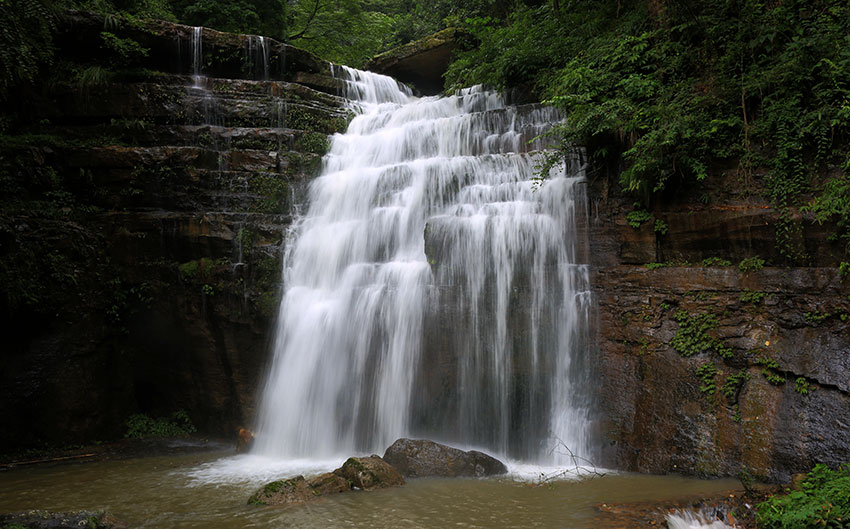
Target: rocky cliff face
(144, 212)
(709, 367)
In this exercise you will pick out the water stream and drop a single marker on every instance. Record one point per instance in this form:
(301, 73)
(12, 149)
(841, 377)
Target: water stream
(434, 288)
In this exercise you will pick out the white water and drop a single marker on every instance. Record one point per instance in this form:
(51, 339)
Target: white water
(689, 519)
(480, 340)
(257, 56)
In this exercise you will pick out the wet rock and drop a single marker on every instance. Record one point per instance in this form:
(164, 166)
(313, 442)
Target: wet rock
(357, 473)
(61, 520)
(329, 483)
(369, 473)
(283, 492)
(420, 458)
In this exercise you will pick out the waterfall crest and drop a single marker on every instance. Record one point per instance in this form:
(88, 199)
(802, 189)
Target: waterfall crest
(432, 288)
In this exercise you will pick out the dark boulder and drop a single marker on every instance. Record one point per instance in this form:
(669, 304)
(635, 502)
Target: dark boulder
(420, 458)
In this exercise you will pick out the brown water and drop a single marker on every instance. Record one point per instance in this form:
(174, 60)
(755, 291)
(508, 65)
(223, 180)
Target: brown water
(158, 492)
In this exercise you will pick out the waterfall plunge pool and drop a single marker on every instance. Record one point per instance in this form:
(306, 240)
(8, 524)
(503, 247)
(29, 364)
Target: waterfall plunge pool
(210, 490)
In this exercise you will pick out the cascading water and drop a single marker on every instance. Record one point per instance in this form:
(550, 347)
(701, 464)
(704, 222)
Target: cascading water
(257, 55)
(197, 54)
(432, 288)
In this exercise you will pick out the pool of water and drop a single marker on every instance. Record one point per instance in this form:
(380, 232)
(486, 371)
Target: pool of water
(210, 490)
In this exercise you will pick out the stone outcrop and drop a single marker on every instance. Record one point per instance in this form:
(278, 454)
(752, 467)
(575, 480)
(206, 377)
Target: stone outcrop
(357, 473)
(421, 63)
(706, 368)
(142, 224)
(423, 458)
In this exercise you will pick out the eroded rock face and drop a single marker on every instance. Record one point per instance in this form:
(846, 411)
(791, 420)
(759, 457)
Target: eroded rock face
(708, 369)
(422, 458)
(149, 284)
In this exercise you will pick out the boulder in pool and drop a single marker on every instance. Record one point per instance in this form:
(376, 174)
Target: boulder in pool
(416, 458)
(363, 473)
(367, 473)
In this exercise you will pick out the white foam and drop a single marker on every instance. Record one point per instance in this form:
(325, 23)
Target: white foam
(689, 519)
(257, 469)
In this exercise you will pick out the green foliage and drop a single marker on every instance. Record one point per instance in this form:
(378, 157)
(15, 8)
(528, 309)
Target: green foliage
(706, 373)
(751, 264)
(342, 31)
(127, 51)
(140, 426)
(752, 296)
(26, 41)
(770, 368)
(844, 269)
(637, 217)
(715, 261)
(816, 318)
(655, 266)
(834, 203)
(199, 269)
(660, 227)
(273, 191)
(802, 386)
(734, 382)
(259, 17)
(677, 89)
(824, 501)
(692, 335)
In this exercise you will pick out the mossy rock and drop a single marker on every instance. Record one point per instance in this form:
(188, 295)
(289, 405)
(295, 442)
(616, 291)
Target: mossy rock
(367, 473)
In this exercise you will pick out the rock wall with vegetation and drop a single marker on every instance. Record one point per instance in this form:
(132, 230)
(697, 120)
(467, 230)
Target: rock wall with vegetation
(142, 225)
(714, 357)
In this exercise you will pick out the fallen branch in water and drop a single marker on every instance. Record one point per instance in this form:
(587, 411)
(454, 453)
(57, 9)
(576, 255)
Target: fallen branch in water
(581, 467)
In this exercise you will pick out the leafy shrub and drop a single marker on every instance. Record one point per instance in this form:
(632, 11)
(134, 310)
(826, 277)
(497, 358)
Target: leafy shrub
(715, 261)
(660, 227)
(140, 426)
(751, 264)
(815, 318)
(637, 217)
(692, 336)
(752, 296)
(734, 382)
(824, 501)
(770, 368)
(802, 386)
(706, 373)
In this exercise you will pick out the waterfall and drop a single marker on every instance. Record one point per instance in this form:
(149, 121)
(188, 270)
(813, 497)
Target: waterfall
(433, 288)
(257, 57)
(197, 54)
